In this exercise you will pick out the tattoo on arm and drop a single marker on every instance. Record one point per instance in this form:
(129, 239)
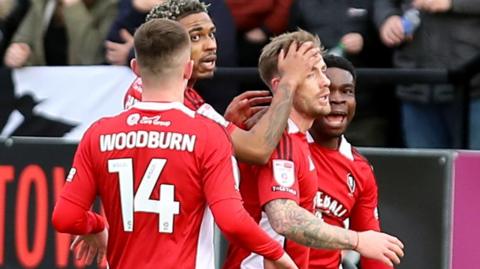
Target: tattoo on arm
(276, 116)
(301, 226)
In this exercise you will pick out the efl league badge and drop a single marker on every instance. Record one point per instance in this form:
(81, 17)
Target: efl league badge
(351, 184)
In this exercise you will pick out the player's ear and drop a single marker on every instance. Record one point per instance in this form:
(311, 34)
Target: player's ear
(274, 82)
(134, 67)
(188, 70)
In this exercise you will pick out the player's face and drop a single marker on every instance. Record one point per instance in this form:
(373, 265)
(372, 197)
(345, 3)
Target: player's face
(311, 98)
(342, 102)
(204, 45)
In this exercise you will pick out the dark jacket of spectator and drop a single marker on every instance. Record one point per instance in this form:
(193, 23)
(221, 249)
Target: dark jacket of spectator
(86, 29)
(443, 40)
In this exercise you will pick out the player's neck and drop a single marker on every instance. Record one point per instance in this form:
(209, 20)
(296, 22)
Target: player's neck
(191, 82)
(329, 142)
(163, 91)
(302, 121)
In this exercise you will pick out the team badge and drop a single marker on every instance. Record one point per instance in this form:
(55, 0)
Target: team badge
(351, 183)
(284, 172)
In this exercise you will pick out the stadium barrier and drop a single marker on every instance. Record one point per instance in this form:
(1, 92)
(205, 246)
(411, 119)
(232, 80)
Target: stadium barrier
(428, 198)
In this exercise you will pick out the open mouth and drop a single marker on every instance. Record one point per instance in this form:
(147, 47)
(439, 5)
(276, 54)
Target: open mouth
(208, 62)
(336, 118)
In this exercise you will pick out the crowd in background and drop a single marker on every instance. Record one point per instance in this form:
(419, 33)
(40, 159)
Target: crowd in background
(371, 33)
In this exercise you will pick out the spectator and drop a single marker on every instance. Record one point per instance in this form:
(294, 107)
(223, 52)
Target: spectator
(14, 11)
(346, 28)
(66, 32)
(256, 22)
(447, 37)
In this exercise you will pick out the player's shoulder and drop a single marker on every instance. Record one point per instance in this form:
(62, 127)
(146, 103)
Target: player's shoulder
(210, 126)
(359, 157)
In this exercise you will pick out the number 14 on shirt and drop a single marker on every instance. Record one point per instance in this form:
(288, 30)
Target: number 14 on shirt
(166, 207)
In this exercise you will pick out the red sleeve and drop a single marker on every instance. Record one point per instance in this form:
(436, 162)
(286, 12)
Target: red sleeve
(80, 186)
(240, 229)
(219, 180)
(364, 214)
(224, 199)
(278, 179)
(72, 210)
(277, 20)
(70, 218)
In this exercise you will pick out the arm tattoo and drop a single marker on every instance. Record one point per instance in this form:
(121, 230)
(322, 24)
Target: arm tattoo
(277, 115)
(301, 226)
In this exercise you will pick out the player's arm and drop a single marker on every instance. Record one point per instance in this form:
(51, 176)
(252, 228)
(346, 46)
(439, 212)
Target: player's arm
(364, 215)
(297, 224)
(257, 144)
(239, 228)
(225, 202)
(72, 211)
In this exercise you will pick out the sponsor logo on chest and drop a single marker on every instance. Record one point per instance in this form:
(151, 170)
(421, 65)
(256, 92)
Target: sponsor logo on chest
(328, 205)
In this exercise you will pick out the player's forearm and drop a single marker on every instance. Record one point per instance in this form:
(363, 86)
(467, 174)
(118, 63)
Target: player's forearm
(301, 226)
(70, 218)
(239, 228)
(266, 134)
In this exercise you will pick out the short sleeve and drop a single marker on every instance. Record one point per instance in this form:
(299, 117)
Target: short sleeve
(364, 215)
(278, 179)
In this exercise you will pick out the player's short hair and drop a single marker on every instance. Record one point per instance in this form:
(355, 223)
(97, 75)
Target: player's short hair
(159, 45)
(340, 62)
(176, 9)
(267, 64)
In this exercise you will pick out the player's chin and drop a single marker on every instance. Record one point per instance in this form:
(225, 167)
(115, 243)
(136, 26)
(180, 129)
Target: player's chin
(202, 74)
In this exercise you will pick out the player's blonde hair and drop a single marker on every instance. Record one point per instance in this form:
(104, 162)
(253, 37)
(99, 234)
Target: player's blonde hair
(267, 63)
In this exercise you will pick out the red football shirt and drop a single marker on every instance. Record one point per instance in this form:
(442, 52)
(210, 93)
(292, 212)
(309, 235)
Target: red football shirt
(290, 174)
(159, 168)
(347, 193)
(192, 100)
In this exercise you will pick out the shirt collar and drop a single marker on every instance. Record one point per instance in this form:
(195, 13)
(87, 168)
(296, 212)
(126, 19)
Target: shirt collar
(159, 106)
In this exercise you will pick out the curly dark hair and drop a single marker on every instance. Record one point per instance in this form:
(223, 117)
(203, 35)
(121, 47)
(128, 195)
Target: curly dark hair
(340, 62)
(176, 9)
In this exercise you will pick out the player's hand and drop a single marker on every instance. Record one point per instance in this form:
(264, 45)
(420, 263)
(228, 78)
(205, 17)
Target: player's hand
(245, 105)
(380, 246)
(17, 55)
(86, 247)
(285, 262)
(255, 118)
(117, 53)
(295, 63)
(391, 31)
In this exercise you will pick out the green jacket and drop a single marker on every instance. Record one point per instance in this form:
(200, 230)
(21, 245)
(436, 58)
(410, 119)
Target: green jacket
(86, 31)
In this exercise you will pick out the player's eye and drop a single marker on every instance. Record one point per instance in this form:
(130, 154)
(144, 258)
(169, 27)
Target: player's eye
(195, 37)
